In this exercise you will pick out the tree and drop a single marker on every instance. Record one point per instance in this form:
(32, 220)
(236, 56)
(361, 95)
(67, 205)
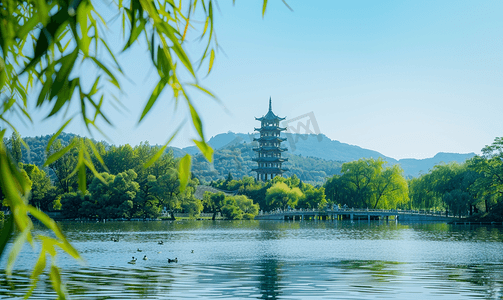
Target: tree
(63, 167)
(114, 197)
(41, 187)
(368, 183)
(15, 143)
(246, 205)
(230, 209)
(282, 196)
(192, 206)
(490, 167)
(313, 198)
(42, 47)
(214, 201)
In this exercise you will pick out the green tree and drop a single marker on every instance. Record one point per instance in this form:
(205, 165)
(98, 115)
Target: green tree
(246, 205)
(490, 167)
(64, 167)
(120, 159)
(15, 143)
(280, 195)
(41, 187)
(214, 202)
(192, 206)
(113, 197)
(230, 209)
(313, 198)
(368, 183)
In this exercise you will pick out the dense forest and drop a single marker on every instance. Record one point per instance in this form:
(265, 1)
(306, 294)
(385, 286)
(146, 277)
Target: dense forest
(234, 158)
(125, 189)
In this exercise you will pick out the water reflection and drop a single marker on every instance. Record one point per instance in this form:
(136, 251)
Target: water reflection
(272, 260)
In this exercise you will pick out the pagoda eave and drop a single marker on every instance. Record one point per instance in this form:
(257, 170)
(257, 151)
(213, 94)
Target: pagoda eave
(270, 139)
(270, 128)
(270, 170)
(269, 159)
(269, 149)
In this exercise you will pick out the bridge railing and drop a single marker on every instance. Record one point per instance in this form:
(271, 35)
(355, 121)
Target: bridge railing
(356, 210)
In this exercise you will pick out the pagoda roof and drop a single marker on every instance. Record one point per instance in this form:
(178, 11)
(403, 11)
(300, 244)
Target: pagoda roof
(267, 149)
(270, 116)
(270, 170)
(270, 128)
(270, 139)
(269, 159)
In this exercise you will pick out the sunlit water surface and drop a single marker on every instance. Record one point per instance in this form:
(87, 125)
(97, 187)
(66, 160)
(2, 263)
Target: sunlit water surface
(273, 260)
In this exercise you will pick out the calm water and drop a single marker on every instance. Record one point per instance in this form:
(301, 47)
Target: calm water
(273, 260)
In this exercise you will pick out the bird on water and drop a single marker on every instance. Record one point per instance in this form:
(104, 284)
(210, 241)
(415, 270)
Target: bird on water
(173, 260)
(132, 261)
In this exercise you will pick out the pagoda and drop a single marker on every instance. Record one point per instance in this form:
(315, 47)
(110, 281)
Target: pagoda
(269, 150)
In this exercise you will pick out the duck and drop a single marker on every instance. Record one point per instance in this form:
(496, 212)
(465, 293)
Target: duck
(191, 251)
(173, 260)
(114, 239)
(145, 257)
(160, 242)
(139, 250)
(132, 261)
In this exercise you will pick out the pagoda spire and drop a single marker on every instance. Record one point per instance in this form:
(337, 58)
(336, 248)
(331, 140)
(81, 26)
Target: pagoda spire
(270, 104)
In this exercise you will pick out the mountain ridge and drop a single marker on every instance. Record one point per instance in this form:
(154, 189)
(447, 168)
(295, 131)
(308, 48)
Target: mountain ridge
(321, 146)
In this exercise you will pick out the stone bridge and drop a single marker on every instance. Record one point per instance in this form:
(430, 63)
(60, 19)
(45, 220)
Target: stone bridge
(356, 214)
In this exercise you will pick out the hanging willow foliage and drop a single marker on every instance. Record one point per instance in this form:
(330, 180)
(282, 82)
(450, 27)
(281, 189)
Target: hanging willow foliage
(42, 45)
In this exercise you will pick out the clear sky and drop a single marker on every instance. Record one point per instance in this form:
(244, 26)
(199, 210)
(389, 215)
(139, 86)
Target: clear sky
(406, 78)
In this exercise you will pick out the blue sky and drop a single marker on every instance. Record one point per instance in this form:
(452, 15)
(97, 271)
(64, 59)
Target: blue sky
(406, 78)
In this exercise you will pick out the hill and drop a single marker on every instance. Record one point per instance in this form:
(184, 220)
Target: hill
(322, 147)
(311, 157)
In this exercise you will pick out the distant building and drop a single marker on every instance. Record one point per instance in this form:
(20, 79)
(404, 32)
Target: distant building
(269, 150)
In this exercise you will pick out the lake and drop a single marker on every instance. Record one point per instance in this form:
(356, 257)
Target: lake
(273, 260)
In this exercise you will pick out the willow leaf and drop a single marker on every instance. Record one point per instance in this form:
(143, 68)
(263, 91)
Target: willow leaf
(184, 171)
(16, 248)
(153, 98)
(56, 282)
(37, 271)
(55, 136)
(57, 155)
(161, 151)
(6, 233)
(205, 149)
(212, 58)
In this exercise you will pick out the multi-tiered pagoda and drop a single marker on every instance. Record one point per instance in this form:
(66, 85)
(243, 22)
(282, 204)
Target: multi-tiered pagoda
(269, 150)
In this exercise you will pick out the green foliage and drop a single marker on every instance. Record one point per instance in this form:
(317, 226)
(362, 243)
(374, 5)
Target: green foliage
(114, 197)
(368, 183)
(238, 158)
(192, 206)
(44, 45)
(42, 191)
(313, 198)
(232, 207)
(282, 196)
(452, 187)
(15, 143)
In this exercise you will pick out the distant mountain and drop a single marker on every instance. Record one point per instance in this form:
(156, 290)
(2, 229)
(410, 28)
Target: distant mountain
(320, 146)
(311, 157)
(415, 167)
(222, 140)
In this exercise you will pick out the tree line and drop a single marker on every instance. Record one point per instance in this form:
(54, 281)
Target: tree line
(125, 189)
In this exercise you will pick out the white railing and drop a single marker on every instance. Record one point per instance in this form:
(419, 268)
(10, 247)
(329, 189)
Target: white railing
(355, 210)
